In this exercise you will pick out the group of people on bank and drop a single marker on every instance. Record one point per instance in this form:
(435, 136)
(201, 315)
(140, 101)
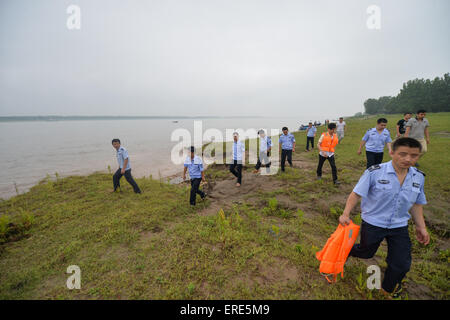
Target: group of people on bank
(390, 191)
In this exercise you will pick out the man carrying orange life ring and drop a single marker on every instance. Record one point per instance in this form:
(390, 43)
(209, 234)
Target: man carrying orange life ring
(389, 190)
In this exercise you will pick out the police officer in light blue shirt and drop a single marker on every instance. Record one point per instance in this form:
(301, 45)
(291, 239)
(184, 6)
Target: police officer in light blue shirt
(311, 130)
(238, 151)
(265, 145)
(194, 164)
(122, 157)
(124, 167)
(310, 134)
(375, 139)
(393, 212)
(287, 146)
(391, 193)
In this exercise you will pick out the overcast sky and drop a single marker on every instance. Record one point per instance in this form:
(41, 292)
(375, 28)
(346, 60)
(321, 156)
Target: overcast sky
(211, 57)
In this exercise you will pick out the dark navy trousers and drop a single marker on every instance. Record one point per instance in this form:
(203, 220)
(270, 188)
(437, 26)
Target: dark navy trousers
(264, 157)
(399, 251)
(128, 177)
(373, 158)
(286, 154)
(195, 184)
(236, 170)
(308, 141)
(332, 165)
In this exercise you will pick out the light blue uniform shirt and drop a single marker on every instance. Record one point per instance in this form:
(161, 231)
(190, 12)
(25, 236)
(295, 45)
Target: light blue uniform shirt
(264, 143)
(195, 166)
(385, 203)
(311, 131)
(287, 141)
(122, 154)
(238, 149)
(375, 141)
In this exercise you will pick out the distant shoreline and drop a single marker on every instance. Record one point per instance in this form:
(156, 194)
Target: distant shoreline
(78, 118)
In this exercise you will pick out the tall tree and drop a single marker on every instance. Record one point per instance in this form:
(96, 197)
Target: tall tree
(431, 95)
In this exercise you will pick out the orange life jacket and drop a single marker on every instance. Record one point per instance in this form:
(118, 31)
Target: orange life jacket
(328, 142)
(335, 252)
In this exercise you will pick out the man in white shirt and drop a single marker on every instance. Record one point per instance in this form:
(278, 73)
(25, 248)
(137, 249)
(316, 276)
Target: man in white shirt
(238, 150)
(340, 129)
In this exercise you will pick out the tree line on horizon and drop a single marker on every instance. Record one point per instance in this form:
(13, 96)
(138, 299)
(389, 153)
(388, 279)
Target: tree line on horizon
(431, 95)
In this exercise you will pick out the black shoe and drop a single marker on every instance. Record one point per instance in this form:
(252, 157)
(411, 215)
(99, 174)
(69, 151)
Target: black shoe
(319, 178)
(204, 196)
(336, 182)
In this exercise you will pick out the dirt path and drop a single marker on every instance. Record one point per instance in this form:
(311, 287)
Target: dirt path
(223, 193)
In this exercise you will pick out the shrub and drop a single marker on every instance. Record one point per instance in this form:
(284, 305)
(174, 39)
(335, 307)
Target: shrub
(10, 231)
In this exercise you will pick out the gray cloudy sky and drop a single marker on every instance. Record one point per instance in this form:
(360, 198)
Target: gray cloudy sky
(211, 57)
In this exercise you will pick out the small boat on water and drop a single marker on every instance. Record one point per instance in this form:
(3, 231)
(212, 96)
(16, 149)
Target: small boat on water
(302, 127)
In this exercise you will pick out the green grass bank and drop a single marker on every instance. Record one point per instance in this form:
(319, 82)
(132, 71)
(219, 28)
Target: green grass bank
(256, 242)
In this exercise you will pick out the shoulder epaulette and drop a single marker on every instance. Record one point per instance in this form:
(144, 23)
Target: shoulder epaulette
(374, 167)
(420, 171)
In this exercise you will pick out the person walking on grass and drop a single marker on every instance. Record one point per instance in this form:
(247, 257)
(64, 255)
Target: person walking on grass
(238, 151)
(401, 128)
(327, 142)
(265, 145)
(340, 129)
(375, 139)
(287, 146)
(417, 128)
(310, 134)
(391, 193)
(124, 167)
(194, 164)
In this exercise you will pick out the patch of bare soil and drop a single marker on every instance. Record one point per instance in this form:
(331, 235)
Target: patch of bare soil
(224, 193)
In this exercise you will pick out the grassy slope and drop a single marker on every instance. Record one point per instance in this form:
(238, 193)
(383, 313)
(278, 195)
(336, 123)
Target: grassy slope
(153, 246)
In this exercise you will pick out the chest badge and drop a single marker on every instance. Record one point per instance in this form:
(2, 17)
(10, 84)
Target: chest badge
(416, 185)
(384, 181)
